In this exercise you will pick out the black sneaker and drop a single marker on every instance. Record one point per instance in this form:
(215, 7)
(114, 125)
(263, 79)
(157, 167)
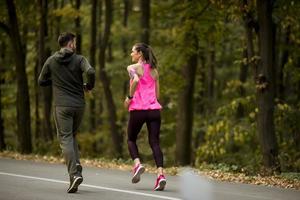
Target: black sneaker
(74, 183)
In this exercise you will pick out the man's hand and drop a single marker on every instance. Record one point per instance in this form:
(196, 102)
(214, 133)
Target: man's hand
(126, 103)
(86, 87)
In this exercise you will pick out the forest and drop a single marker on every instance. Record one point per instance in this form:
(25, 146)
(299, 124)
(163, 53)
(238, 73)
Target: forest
(229, 78)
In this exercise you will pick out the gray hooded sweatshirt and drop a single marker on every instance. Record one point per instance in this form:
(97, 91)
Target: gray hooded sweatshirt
(64, 71)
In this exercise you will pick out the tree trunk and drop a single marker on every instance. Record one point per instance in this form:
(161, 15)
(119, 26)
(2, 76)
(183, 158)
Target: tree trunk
(296, 134)
(37, 131)
(249, 24)
(57, 23)
(78, 27)
(125, 22)
(110, 56)
(114, 128)
(266, 88)
(284, 59)
(100, 97)
(186, 107)
(243, 77)
(211, 70)
(23, 105)
(203, 82)
(47, 99)
(93, 44)
(47, 92)
(200, 101)
(57, 19)
(127, 5)
(297, 86)
(185, 112)
(145, 21)
(2, 140)
(2, 135)
(125, 48)
(248, 53)
(243, 71)
(201, 78)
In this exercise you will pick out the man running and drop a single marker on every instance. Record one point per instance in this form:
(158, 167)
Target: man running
(63, 71)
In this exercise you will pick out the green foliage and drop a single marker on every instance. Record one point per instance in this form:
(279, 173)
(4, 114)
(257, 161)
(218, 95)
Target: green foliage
(291, 176)
(51, 148)
(287, 120)
(227, 139)
(67, 11)
(90, 145)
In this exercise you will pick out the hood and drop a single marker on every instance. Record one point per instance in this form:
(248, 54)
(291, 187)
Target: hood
(64, 55)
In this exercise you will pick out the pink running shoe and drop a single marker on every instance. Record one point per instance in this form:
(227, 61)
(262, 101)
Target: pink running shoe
(160, 184)
(137, 171)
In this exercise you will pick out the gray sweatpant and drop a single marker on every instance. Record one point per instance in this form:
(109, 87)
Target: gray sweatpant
(67, 121)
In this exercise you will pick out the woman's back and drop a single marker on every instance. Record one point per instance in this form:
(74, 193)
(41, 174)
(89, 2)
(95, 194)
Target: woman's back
(145, 97)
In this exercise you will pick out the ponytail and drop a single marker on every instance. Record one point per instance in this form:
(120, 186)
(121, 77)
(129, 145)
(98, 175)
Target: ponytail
(152, 58)
(147, 54)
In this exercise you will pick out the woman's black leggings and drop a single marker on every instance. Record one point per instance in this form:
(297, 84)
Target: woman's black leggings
(136, 120)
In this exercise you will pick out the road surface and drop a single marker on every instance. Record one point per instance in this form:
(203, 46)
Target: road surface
(29, 180)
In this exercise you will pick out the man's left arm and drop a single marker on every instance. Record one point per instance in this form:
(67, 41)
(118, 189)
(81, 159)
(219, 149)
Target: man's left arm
(90, 73)
(45, 75)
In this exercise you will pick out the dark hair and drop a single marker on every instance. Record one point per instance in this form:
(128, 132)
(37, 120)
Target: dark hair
(64, 38)
(147, 53)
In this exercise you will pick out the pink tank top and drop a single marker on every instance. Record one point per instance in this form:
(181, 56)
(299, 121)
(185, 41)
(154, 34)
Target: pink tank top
(144, 97)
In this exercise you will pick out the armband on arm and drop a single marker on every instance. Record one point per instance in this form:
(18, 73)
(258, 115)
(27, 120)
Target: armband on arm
(132, 73)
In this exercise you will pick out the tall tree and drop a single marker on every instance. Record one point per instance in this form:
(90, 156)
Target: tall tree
(286, 42)
(78, 27)
(200, 85)
(185, 114)
(266, 86)
(242, 77)
(2, 55)
(186, 107)
(93, 44)
(200, 103)
(248, 52)
(211, 58)
(114, 128)
(42, 55)
(127, 4)
(100, 56)
(145, 21)
(250, 24)
(23, 105)
(37, 125)
(57, 18)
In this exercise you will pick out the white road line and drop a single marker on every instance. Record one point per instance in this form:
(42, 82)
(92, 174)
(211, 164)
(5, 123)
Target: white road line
(91, 186)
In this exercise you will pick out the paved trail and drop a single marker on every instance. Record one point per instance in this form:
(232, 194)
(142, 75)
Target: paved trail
(28, 180)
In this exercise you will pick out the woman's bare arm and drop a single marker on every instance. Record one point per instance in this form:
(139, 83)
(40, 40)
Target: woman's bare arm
(133, 85)
(132, 69)
(135, 70)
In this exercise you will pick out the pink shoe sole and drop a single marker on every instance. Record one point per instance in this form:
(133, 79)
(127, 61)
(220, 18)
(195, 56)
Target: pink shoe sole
(161, 185)
(137, 176)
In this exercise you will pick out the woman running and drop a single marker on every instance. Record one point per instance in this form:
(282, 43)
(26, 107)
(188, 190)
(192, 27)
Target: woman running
(144, 107)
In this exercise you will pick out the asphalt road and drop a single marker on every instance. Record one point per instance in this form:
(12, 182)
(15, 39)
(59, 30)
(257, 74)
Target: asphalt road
(28, 180)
